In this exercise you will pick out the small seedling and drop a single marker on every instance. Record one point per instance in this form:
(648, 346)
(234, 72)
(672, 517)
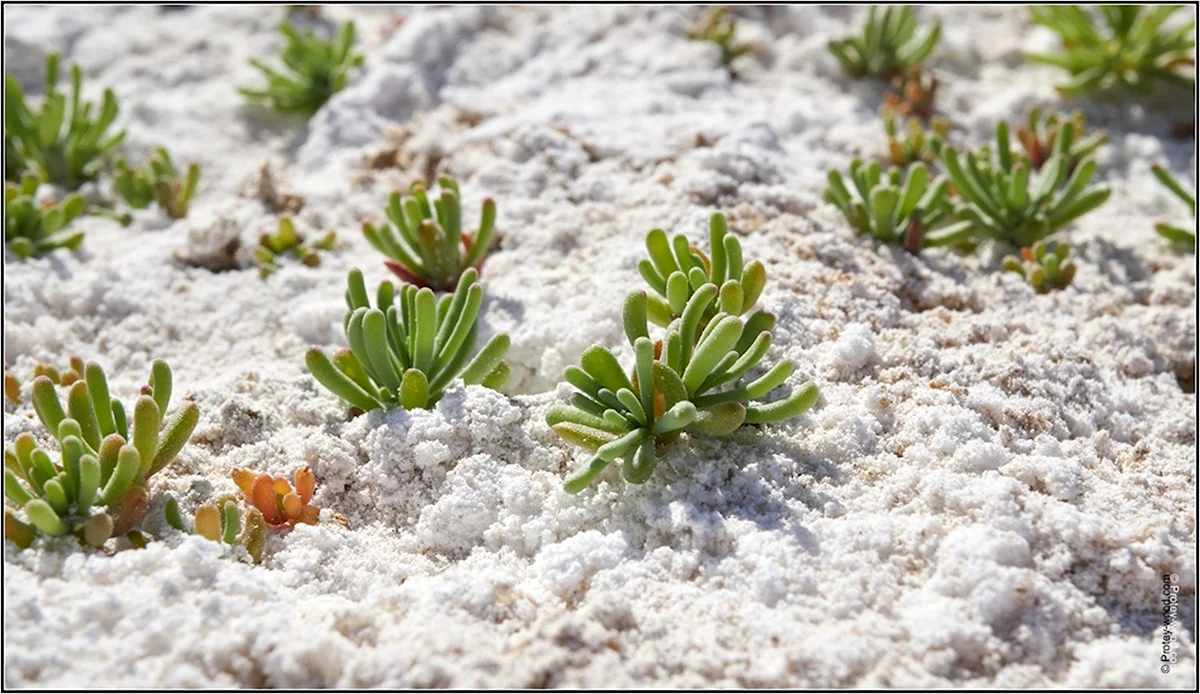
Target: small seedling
(1175, 234)
(997, 193)
(1044, 137)
(407, 350)
(888, 45)
(424, 245)
(34, 229)
(104, 463)
(12, 387)
(157, 182)
(1048, 268)
(616, 415)
(717, 26)
(1125, 49)
(676, 270)
(319, 69)
(222, 522)
(915, 143)
(65, 378)
(289, 242)
(916, 212)
(61, 144)
(279, 502)
(913, 93)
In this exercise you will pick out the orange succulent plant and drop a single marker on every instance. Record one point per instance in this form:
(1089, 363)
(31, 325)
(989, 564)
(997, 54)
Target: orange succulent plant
(279, 502)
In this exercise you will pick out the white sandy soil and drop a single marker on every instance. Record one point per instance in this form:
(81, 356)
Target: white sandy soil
(988, 493)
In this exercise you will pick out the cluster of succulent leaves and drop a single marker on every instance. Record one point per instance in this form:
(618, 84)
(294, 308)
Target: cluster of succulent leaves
(1043, 137)
(104, 463)
(1048, 267)
(888, 46)
(223, 522)
(287, 241)
(893, 207)
(409, 348)
(676, 270)
(61, 142)
(279, 503)
(425, 242)
(67, 377)
(717, 27)
(1177, 235)
(1127, 47)
(32, 228)
(158, 182)
(316, 70)
(914, 142)
(997, 192)
(690, 381)
(912, 94)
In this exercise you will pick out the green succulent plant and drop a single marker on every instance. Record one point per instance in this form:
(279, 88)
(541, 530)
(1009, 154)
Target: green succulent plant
(222, 522)
(915, 211)
(914, 143)
(718, 27)
(61, 143)
(408, 349)
(888, 44)
(104, 464)
(318, 70)
(1126, 48)
(426, 246)
(33, 229)
(287, 241)
(676, 270)
(1176, 234)
(1048, 267)
(1043, 137)
(157, 182)
(696, 387)
(997, 193)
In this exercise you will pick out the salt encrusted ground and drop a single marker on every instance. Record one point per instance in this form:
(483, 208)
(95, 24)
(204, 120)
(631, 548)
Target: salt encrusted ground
(988, 493)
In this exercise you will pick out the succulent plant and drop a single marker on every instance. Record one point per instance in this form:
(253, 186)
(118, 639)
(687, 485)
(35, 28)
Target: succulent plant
(66, 377)
(676, 270)
(1176, 234)
(1048, 267)
(915, 211)
(424, 245)
(1044, 137)
(615, 416)
(407, 350)
(287, 241)
(915, 143)
(32, 228)
(887, 46)
(60, 145)
(318, 70)
(997, 193)
(222, 522)
(12, 387)
(278, 502)
(718, 27)
(912, 93)
(1125, 48)
(103, 462)
(157, 182)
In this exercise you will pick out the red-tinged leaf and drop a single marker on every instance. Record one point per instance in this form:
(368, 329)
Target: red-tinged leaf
(264, 500)
(306, 484)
